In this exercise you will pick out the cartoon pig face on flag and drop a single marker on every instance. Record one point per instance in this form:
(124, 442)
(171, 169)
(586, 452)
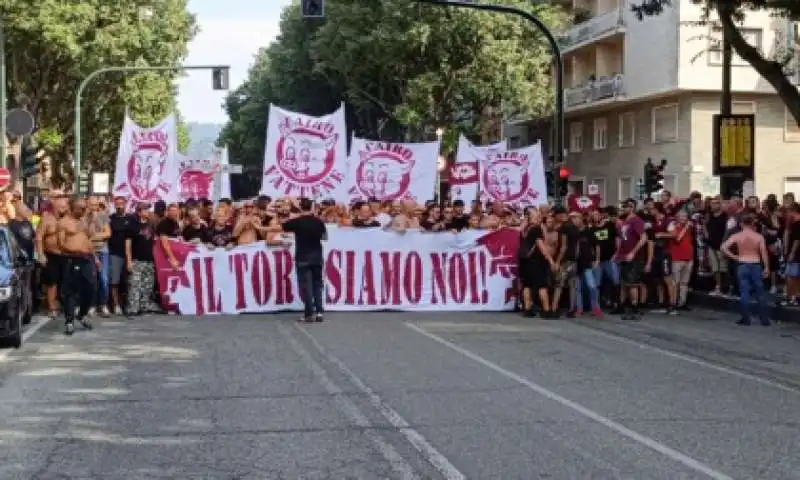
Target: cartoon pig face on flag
(305, 155)
(145, 168)
(506, 178)
(383, 175)
(196, 184)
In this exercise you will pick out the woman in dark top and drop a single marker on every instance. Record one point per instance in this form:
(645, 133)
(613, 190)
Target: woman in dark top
(524, 263)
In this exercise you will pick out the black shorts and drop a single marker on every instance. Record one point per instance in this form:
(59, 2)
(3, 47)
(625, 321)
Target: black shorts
(661, 266)
(632, 272)
(53, 270)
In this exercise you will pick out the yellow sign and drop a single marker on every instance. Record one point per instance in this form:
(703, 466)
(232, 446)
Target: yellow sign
(736, 142)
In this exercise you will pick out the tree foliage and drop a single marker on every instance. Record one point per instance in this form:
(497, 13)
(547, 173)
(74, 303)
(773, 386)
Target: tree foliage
(402, 68)
(728, 14)
(53, 45)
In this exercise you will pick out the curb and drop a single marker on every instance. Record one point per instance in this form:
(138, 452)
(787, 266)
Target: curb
(729, 304)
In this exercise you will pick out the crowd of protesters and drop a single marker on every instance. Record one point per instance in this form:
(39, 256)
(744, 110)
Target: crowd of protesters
(619, 260)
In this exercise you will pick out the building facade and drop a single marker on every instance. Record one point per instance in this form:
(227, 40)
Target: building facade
(649, 89)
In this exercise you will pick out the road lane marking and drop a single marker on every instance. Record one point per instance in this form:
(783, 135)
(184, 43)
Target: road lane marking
(420, 443)
(26, 334)
(398, 464)
(692, 360)
(586, 412)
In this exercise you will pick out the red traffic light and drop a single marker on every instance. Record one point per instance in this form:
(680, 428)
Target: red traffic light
(564, 173)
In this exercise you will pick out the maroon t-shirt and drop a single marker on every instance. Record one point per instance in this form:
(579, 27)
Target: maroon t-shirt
(630, 233)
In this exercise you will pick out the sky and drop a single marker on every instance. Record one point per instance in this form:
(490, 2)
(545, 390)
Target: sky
(231, 32)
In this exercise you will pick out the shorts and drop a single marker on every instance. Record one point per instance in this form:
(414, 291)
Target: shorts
(52, 271)
(682, 272)
(567, 271)
(632, 272)
(717, 261)
(662, 266)
(793, 270)
(116, 270)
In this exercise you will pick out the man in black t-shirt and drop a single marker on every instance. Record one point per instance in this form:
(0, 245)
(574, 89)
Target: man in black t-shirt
(195, 229)
(120, 224)
(139, 262)
(168, 228)
(567, 258)
(309, 233)
(606, 240)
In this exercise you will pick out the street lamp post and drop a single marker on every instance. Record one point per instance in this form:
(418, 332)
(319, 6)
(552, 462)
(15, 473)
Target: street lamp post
(555, 49)
(3, 99)
(91, 76)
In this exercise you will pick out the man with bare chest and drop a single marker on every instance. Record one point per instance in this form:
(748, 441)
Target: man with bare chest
(48, 251)
(80, 265)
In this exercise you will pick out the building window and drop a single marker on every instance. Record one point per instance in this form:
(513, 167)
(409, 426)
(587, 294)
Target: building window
(665, 123)
(601, 189)
(627, 129)
(791, 132)
(514, 142)
(743, 108)
(791, 185)
(671, 183)
(624, 188)
(576, 137)
(600, 136)
(753, 36)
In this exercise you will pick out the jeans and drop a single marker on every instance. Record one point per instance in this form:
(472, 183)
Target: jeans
(607, 269)
(586, 279)
(309, 278)
(78, 286)
(103, 273)
(751, 279)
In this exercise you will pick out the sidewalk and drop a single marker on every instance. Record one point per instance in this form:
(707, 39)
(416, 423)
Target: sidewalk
(730, 303)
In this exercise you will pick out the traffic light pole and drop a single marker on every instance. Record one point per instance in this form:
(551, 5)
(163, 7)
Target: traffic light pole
(90, 77)
(558, 158)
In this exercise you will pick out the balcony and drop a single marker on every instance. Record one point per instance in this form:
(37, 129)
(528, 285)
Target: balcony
(603, 88)
(602, 25)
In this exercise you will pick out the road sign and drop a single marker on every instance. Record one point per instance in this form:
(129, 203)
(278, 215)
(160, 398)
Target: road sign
(19, 122)
(734, 145)
(5, 177)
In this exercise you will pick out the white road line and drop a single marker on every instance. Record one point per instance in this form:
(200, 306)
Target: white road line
(694, 360)
(397, 462)
(433, 456)
(28, 333)
(590, 414)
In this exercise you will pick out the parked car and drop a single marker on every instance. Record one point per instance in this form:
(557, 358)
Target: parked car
(13, 291)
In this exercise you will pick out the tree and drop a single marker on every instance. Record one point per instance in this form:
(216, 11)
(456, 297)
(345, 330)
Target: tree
(52, 46)
(730, 12)
(402, 68)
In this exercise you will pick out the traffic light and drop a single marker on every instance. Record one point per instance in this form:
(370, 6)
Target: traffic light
(219, 78)
(563, 182)
(653, 177)
(313, 8)
(29, 157)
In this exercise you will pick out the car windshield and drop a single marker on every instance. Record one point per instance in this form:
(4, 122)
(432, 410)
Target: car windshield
(6, 257)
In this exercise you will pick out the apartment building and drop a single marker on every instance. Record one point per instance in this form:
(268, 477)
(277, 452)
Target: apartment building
(639, 89)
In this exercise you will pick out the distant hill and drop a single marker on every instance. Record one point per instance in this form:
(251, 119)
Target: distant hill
(203, 137)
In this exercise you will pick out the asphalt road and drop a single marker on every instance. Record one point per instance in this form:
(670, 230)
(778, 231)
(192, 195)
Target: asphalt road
(390, 395)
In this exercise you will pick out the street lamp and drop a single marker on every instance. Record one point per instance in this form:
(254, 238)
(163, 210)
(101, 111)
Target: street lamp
(91, 76)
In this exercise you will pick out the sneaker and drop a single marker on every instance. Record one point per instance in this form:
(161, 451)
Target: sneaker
(92, 312)
(53, 314)
(105, 312)
(319, 318)
(715, 293)
(69, 328)
(672, 312)
(118, 311)
(597, 312)
(660, 311)
(578, 312)
(86, 323)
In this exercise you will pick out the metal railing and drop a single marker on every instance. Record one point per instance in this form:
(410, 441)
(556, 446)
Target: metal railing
(592, 28)
(601, 89)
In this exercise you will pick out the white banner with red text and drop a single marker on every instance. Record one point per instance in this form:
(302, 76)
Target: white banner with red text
(365, 269)
(305, 156)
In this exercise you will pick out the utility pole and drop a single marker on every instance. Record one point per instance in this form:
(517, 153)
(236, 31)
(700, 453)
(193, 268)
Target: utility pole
(219, 80)
(3, 99)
